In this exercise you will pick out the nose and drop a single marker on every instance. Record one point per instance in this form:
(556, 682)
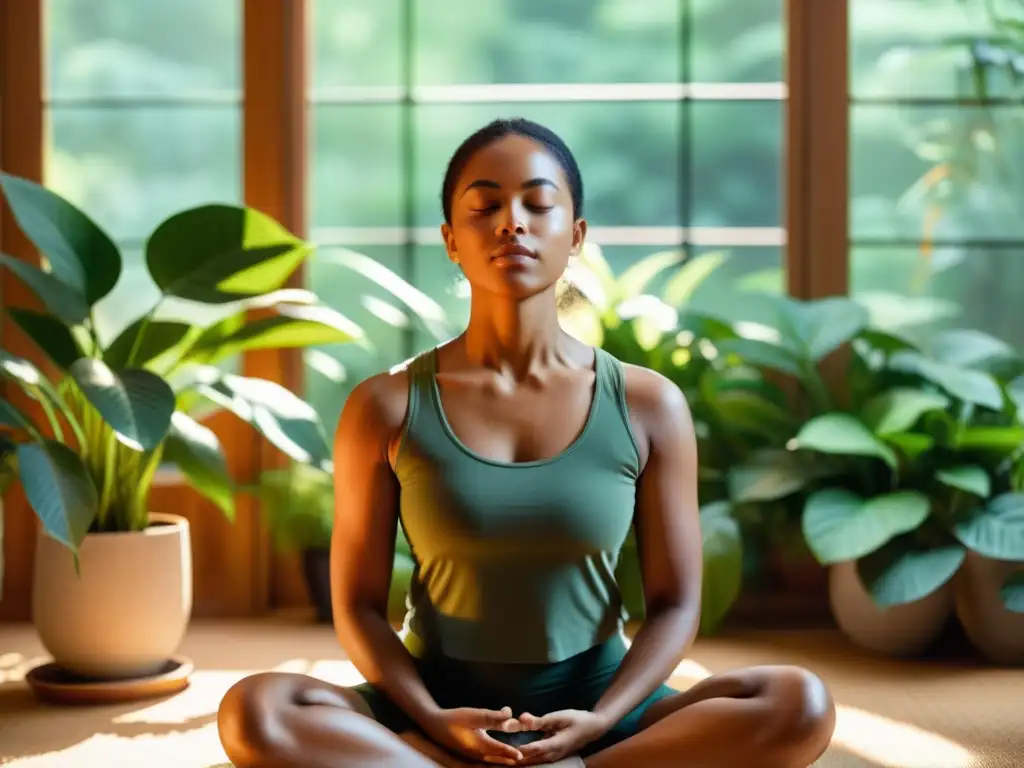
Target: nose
(512, 222)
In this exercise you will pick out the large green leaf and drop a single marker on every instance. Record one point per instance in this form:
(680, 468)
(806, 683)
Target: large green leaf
(910, 444)
(746, 410)
(999, 439)
(840, 525)
(819, 327)
(197, 452)
(217, 254)
(842, 434)
(80, 254)
(299, 327)
(158, 337)
(762, 354)
(962, 383)
(997, 529)
(969, 478)
(679, 288)
(772, 474)
(1012, 592)
(898, 409)
(59, 299)
(49, 334)
(38, 387)
(635, 279)
(723, 564)
(966, 348)
(897, 575)
(290, 424)
(135, 403)
(59, 489)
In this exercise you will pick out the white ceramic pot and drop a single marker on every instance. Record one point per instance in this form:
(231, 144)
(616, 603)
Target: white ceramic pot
(127, 610)
(994, 631)
(902, 630)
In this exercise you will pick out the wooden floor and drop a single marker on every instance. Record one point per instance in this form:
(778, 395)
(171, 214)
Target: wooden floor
(926, 714)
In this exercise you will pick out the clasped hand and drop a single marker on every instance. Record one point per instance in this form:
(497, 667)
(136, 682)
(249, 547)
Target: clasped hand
(566, 732)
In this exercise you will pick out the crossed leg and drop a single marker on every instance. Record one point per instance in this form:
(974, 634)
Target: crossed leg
(771, 717)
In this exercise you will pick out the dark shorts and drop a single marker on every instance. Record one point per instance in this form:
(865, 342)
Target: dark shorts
(576, 683)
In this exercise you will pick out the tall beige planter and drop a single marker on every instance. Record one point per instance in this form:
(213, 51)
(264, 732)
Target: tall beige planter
(903, 630)
(996, 632)
(127, 611)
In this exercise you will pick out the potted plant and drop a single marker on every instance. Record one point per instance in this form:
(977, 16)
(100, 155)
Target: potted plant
(112, 590)
(298, 503)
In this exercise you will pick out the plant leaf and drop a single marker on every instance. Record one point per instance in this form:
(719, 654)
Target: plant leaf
(135, 403)
(1012, 592)
(962, 383)
(840, 526)
(723, 564)
(842, 434)
(290, 424)
(762, 354)
(59, 299)
(197, 452)
(80, 254)
(637, 276)
(1002, 439)
(679, 288)
(896, 576)
(898, 409)
(995, 530)
(772, 474)
(158, 337)
(49, 334)
(59, 489)
(910, 444)
(819, 327)
(217, 254)
(969, 478)
(967, 348)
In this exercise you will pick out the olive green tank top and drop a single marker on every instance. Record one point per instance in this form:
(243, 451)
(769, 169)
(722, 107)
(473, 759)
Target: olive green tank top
(515, 562)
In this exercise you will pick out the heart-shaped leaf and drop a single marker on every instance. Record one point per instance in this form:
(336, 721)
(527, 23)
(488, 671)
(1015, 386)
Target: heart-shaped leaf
(969, 478)
(819, 327)
(962, 383)
(842, 434)
(59, 489)
(1012, 592)
(158, 337)
(997, 529)
(217, 254)
(840, 526)
(898, 575)
(898, 409)
(290, 424)
(49, 334)
(723, 564)
(60, 300)
(137, 404)
(197, 452)
(80, 254)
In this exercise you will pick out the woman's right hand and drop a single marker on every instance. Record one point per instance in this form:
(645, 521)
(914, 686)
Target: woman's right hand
(464, 731)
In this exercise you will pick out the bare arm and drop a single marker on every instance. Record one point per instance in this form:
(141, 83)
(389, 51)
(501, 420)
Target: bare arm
(363, 542)
(668, 538)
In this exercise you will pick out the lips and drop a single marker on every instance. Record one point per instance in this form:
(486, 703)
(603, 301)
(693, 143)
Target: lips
(514, 251)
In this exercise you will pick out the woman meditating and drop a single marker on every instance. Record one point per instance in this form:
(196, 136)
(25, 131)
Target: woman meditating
(516, 458)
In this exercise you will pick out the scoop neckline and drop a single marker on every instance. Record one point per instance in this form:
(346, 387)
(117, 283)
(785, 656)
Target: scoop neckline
(435, 391)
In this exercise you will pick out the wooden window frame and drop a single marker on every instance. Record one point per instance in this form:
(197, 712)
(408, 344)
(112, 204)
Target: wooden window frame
(237, 573)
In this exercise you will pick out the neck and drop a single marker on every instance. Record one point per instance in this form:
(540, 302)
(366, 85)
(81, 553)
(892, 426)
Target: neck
(507, 333)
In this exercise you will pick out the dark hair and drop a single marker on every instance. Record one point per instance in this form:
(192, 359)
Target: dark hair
(499, 129)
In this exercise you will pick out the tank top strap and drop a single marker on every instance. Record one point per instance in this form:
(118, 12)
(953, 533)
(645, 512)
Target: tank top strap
(421, 371)
(611, 377)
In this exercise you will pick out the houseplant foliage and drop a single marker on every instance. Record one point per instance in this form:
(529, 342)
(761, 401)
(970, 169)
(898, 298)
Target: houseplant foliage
(114, 410)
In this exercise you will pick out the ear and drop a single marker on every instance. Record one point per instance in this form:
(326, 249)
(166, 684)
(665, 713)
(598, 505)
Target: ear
(449, 242)
(579, 234)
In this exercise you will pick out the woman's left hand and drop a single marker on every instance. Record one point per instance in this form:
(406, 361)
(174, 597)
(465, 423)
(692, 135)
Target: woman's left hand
(567, 732)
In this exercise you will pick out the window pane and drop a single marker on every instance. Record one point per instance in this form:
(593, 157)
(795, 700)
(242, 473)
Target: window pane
(917, 292)
(736, 41)
(138, 48)
(356, 43)
(332, 371)
(950, 173)
(539, 41)
(737, 171)
(917, 48)
(131, 167)
(629, 155)
(356, 170)
(734, 289)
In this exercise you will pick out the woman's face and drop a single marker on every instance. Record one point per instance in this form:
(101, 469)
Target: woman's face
(513, 228)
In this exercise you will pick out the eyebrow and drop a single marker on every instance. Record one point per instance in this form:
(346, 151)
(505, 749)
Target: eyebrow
(488, 184)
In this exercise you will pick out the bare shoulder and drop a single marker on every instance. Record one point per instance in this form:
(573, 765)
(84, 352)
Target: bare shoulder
(375, 410)
(657, 407)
